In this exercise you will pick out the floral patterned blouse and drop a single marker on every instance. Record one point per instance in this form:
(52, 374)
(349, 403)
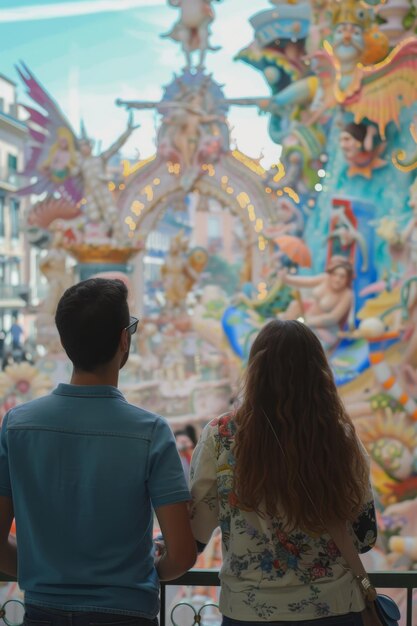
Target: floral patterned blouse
(268, 574)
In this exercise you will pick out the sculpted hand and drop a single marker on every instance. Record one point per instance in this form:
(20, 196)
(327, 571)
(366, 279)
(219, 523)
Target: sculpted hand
(131, 126)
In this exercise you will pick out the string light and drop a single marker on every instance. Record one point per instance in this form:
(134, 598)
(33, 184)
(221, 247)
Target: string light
(137, 207)
(292, 194)
(261, 243)
(259, 225)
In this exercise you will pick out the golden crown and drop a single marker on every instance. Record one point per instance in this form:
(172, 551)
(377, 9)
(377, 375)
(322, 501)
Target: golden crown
(351, 12)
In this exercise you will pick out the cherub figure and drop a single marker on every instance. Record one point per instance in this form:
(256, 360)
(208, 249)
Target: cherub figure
(192, 30)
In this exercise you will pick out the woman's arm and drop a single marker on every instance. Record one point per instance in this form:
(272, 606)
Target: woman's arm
(365, 528)
(203, 486)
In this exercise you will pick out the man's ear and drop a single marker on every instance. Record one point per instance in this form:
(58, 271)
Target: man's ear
(124, 341)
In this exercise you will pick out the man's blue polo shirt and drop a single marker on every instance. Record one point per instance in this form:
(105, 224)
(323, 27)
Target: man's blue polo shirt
(84, 469)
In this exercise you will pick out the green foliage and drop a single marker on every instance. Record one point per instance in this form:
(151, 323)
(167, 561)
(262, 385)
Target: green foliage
(410, 18)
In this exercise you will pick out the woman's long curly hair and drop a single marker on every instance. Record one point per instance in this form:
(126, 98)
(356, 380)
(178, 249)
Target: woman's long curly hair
(297, 455)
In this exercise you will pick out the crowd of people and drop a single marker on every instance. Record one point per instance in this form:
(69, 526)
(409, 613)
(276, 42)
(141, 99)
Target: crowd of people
(282, 474)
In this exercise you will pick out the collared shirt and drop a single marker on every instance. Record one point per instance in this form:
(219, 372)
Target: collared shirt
(268, 574)
(84, 469)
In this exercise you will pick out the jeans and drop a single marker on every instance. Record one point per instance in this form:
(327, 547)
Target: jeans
(40, 616)
(349, 619)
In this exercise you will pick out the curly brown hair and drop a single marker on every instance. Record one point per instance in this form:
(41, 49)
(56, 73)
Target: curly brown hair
(296, 451)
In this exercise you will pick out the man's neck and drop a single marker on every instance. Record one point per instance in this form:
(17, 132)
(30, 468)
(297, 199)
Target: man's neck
(98, 377)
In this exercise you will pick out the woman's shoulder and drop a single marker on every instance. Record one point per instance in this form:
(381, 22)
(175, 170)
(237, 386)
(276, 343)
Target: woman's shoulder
(222, 428)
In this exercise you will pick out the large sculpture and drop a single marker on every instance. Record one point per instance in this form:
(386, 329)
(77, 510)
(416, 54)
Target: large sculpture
(328, 234)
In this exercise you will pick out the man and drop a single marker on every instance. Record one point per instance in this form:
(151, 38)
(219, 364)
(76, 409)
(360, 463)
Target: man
(80, 470)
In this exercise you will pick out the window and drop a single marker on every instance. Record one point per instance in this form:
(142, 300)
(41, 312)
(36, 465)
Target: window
(12, 162)
(1, 216)
(14, 218)
(213, 227)
(14, 271)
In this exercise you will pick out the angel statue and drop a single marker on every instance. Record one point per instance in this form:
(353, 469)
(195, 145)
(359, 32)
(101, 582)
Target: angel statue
(100, 206)
(193, 28)
(64, 164)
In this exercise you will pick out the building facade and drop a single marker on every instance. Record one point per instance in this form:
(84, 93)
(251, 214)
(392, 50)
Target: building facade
(14, 252)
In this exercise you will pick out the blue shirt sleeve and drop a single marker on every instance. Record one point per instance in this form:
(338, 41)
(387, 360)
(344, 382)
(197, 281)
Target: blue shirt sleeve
(166, 480)
(5, 487)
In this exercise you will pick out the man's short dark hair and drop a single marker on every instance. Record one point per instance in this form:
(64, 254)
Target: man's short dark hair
(90, 317)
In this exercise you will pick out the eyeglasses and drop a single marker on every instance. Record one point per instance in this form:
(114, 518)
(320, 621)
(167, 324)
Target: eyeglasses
(133, 326)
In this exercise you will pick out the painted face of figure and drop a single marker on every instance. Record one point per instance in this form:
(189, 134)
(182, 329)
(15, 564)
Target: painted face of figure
(63, 143)
(349, 145)
(338, 279)
(348, 42)
(85, 148)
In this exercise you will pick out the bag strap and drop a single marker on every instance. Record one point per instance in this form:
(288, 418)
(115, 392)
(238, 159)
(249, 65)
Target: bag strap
(343, 540)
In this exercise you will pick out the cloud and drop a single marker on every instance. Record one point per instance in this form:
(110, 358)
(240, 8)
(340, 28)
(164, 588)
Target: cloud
(30, 13)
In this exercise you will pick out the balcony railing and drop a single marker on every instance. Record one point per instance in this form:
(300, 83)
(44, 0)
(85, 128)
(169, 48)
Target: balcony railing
(10, 177)
(9, 292)
(210, 578)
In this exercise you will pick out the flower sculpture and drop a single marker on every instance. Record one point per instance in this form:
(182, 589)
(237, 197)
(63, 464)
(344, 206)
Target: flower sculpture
(19, 383)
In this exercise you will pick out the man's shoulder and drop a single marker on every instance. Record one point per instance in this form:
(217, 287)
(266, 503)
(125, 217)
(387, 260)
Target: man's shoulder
(30, 409)
(146, 416)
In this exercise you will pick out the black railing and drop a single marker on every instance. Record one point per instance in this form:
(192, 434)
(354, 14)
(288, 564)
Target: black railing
(210, 578)
(381, 580)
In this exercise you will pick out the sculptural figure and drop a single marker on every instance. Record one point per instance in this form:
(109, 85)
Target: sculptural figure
(191, 130)
(99, 205)
(62, 158)
(344, 235)
(177, 274)
(192, 29)
(64, 164)
(332, 299)
(357, 144)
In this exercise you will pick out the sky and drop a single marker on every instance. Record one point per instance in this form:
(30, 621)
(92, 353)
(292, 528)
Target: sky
(88, 53)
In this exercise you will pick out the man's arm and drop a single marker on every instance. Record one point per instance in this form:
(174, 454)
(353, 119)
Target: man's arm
(8, 550)
(180, 549)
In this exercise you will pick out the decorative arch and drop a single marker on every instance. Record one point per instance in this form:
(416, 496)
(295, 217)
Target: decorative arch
(235, 181)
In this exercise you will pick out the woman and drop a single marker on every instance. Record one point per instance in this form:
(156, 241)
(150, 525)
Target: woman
(273, 474)
(332, 299)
